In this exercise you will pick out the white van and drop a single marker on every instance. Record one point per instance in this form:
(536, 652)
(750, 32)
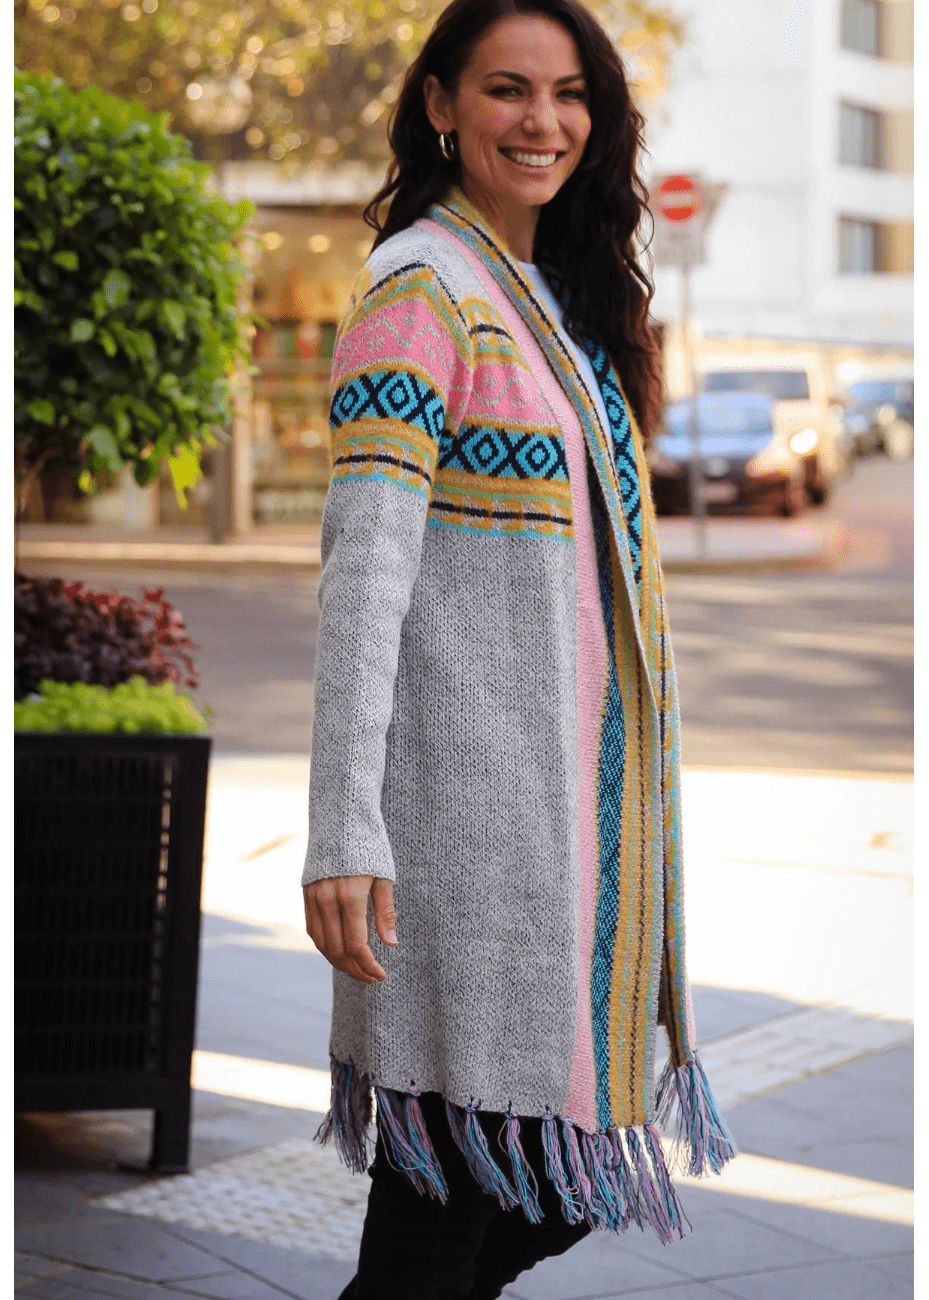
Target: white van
(805, 414)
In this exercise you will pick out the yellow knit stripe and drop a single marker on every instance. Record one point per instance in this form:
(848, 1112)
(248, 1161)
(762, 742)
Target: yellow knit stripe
(490, 337)
(508, 506)
(464, 483)
(385, 448)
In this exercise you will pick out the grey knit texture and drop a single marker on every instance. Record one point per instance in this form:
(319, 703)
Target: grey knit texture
(445, 759)
(473, 813)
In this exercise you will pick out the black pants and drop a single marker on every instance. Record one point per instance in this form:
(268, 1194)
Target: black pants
(415, 1248)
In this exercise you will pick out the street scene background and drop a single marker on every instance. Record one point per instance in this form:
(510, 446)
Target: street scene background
(792, 636)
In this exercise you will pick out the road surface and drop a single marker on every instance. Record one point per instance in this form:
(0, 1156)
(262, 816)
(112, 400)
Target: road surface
(799, 670)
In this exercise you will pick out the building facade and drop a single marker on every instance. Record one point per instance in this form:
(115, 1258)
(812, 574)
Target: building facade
(803, 110)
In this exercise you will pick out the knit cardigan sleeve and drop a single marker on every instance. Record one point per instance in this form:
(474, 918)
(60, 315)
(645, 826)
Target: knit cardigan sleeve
(401, 378)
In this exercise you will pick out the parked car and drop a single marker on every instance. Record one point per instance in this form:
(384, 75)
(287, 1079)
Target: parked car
(744, 462)
(878, 416)
(806, 413)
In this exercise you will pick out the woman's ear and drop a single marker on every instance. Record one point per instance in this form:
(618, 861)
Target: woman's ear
(438, 105)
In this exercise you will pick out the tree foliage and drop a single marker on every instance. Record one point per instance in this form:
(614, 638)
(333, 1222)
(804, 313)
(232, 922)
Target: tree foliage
(320, 79)
(126, 278)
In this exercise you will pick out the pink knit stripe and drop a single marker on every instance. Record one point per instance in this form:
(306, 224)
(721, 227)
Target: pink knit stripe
(581, 1101)
(501, 397)
(407, 331)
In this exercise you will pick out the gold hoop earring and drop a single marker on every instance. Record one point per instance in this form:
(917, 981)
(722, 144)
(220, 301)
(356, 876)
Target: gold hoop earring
(446, 147)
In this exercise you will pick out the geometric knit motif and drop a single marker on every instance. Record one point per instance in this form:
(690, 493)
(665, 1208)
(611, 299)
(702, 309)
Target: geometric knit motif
(503, 474)
(389, 422)
(623, 454)
(505, 452)
(610, 766)
(389, 394)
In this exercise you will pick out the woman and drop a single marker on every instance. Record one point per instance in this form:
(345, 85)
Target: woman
(495, 749)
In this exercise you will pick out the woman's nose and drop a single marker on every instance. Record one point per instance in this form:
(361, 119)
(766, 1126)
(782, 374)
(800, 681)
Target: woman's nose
(541, 116)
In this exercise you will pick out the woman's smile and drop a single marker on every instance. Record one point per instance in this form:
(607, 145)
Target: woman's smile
(533, 158)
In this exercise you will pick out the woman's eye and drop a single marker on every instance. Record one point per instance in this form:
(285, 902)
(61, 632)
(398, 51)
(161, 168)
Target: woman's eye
(578, 96)
(504, 91)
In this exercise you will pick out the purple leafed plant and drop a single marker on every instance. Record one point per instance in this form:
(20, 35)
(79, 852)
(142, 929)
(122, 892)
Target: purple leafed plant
(70, 634)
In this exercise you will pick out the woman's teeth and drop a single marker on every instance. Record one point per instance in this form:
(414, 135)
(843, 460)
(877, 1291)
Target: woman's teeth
(530, 159)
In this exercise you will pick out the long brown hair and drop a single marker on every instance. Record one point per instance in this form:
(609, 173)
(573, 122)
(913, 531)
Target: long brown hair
(586, 236)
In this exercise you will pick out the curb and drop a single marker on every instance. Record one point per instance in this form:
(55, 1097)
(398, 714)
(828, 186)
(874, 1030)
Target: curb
(825, 550)
(234, 557)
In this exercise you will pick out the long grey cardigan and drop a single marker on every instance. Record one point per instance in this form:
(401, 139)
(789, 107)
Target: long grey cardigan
(446, 741)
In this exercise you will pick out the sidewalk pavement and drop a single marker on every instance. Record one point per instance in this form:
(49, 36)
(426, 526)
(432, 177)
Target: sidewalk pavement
(733, 545)
(799, 894)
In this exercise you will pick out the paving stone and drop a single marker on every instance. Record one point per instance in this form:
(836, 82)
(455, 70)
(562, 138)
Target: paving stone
(35, 1265)
(846, 1234)
(785, 1048)
(85, 1284)
(119, 1244)
(297, 1195)
(308, 1277)
(92, 1283)
(772, 1127)
(874, 1093)
(850, 1279)
(723, 1242)
(234, 1286)
(900, 1265)
(683, 1291)
(593, 1267)
(720, 1012)
(46, 1198)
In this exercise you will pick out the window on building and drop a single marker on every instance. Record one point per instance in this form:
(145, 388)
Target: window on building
(875, 247)
(859, 136)
(857, 246)
(881, 28)
(861, 26)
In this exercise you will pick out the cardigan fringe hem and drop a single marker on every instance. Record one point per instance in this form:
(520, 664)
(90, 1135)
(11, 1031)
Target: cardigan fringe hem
(703, 1140)
(611, 1179)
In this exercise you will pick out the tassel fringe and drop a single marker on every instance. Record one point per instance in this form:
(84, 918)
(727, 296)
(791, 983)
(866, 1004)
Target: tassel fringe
(571, 1206)
(611, 1179)
(472, 1142)
(704, 1142)
(350, 1113)
(526, 1186)
(408, 1142)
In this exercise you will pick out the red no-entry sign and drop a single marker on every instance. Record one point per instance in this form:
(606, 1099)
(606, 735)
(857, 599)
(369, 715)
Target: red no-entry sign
(680, 219)
(679, 198)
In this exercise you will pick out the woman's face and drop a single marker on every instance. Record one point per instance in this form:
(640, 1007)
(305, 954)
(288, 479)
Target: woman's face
(520, 112)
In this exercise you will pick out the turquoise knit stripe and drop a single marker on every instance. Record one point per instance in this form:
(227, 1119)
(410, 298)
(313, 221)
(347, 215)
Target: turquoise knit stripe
(610, 766)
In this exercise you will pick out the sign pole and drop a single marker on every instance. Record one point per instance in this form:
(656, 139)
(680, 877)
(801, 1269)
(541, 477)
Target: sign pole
(695, 467)
(683, 206)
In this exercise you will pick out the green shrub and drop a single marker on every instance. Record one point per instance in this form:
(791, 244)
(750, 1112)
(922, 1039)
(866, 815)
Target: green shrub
(126, 280)
(133, 707)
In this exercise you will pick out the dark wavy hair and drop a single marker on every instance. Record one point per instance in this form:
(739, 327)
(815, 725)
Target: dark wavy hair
(586, 239)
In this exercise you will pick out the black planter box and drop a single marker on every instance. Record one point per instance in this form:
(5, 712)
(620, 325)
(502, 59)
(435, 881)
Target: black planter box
(108, 861)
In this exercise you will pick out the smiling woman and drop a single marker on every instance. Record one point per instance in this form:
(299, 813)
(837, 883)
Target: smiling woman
(495, 747)
(519, 134)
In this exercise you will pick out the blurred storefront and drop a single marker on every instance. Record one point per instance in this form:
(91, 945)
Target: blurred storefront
(306, 261)
(310, 243)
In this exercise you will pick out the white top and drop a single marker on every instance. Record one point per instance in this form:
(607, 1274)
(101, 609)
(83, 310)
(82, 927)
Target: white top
(581, 359)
